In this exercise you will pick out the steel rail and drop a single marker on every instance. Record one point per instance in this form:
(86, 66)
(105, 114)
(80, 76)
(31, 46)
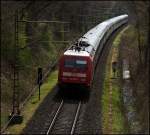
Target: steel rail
(56, 115)
(75, 119)
(54, 118)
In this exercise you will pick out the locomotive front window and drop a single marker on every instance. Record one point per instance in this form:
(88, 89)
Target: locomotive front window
(73, 63)
(81, 63)
(69, 63)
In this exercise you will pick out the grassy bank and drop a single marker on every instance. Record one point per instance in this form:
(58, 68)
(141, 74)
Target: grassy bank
(34, 103)
(112, 96)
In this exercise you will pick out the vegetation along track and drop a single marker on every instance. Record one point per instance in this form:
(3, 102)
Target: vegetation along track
(64, 119)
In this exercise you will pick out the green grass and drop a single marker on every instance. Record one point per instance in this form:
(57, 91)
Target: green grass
(34, 103)
(118, 126)
(105, 103)
(105, 97)
(118, 118)
(4, 118)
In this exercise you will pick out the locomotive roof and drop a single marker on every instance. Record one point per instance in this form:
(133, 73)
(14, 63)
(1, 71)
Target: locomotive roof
(76, 53)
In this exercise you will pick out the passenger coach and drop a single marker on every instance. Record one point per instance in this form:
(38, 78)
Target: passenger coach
(77, 64)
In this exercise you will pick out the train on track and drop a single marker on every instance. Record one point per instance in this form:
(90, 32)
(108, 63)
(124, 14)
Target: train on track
(77, 64)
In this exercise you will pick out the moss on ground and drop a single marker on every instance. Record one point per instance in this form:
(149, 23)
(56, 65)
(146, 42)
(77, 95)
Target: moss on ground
(34, 103)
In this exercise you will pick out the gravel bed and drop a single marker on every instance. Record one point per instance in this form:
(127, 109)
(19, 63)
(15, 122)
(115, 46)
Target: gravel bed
(65, 119)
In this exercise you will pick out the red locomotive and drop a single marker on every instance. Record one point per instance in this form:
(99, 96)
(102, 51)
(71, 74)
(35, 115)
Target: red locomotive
(75, 67)
(77, 64)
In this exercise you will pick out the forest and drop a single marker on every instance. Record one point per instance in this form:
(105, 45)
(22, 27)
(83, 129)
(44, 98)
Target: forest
(41, 44)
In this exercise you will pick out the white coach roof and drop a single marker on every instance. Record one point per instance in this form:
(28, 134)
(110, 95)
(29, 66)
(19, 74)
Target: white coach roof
(76, 53)
(93, 37)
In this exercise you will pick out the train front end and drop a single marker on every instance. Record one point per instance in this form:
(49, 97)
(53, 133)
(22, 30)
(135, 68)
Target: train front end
(75, 68)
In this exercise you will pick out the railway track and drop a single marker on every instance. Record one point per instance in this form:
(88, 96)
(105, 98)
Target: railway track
(65, 119)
